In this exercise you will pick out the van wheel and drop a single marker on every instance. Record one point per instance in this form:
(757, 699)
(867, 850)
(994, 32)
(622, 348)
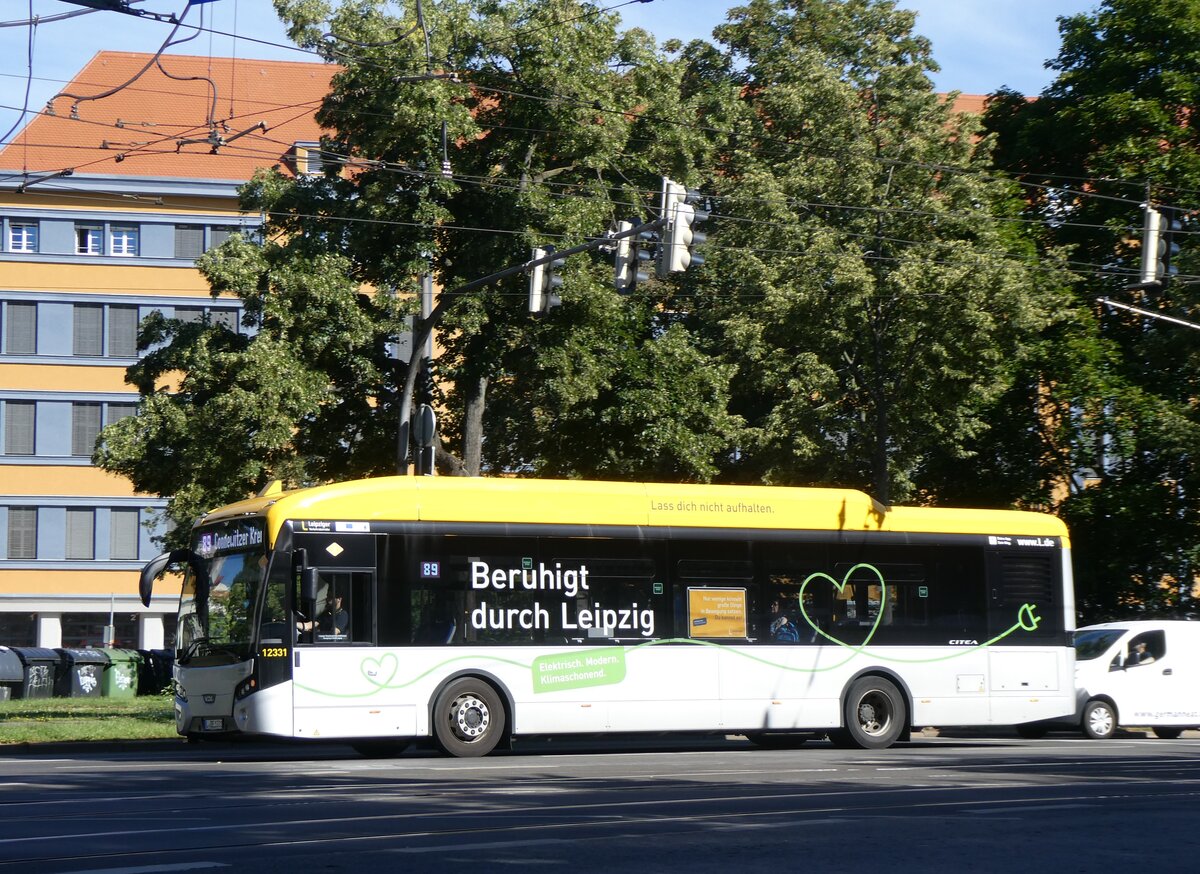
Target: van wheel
(1168, 733)
(468, 718)
(1099, 720)
(875, 713)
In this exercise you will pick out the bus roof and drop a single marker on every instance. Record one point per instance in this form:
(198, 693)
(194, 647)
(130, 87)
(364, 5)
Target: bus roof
(533, 501)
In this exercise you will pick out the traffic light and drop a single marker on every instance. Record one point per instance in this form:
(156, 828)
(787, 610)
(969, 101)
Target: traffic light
(629, 254)
(1159, 246)
(680, 237)
(543, 280)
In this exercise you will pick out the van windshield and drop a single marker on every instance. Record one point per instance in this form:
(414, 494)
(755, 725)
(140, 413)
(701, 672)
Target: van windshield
(1093, 644)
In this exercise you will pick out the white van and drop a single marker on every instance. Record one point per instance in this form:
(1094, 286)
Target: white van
(1138, 673)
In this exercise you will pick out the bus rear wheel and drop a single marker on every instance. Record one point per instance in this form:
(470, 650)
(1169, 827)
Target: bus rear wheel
(875, 715)
(468, 718)
(1167, 733)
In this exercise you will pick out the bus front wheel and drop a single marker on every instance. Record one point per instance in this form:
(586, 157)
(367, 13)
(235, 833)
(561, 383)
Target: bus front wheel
(875, 714)
(468, 718)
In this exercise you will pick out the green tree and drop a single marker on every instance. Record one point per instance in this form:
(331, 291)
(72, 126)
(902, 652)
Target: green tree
(459, 139)
(868, 279)
(301, 396)
(1113, 131)
(554, 126)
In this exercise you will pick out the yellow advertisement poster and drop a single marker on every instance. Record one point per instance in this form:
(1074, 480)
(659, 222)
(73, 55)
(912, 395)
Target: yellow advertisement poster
(717, 612)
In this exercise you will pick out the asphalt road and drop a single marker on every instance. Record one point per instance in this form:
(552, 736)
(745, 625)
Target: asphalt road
(969, 802)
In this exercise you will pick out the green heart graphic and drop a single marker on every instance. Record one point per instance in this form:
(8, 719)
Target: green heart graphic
(841, 587)
(374, 670)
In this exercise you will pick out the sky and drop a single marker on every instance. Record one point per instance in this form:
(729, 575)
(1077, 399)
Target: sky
(980, 45)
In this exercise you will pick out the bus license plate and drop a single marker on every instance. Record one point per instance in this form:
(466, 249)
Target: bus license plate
(212, 724)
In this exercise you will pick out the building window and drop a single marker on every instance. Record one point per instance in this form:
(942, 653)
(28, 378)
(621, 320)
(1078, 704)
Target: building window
(123, 539)
(85, 428)
(117, 412)
(122, 331)
(230, 317)
(22, 532)
(124, 240)
(226, 317)
(20, 328)
(89, 240)
(19, 417)
(189, 241)
(23, 237)
(89, 329)
(81, 534)
(219, 234)
(308, 159)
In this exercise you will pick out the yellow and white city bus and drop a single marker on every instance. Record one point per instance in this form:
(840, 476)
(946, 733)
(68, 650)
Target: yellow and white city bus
(471, 611)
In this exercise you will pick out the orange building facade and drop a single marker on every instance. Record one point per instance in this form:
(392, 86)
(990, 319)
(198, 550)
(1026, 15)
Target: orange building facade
(104, 206)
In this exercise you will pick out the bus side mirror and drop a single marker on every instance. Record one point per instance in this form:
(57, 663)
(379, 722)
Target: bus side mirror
(155, 567)
(308, 584)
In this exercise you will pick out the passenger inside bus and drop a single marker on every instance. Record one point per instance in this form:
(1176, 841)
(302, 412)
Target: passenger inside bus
(783, 629)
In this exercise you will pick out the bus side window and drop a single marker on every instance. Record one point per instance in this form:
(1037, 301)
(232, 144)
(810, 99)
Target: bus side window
(435, 622)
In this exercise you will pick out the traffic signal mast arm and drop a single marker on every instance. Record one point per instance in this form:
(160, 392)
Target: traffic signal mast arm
(423, 329)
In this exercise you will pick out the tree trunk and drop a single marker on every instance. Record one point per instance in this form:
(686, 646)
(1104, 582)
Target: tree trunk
(472, 453)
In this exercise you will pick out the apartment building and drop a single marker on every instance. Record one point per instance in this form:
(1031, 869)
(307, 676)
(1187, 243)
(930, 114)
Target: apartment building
(106, 200)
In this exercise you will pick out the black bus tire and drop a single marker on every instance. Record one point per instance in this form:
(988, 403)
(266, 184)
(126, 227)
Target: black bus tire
(875, 714)
(1167, 733)
(468, 718)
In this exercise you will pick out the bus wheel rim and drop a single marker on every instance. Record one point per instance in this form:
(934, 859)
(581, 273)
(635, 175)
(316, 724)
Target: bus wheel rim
(875, 713)
(470, 717)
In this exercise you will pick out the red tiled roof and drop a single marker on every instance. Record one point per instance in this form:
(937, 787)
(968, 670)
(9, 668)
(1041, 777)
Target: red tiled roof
(973, 103)
(144, 123)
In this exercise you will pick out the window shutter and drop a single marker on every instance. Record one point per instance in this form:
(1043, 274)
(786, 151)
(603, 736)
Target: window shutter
(89, 329)
(19, 419)
(189, 241)
(218, 235)
(228, 318)
(81, 538)
(117, 412)
(122, 331)
(21, 329)
(123, 525)
(189, 314)
(22, 532)
(85, 427)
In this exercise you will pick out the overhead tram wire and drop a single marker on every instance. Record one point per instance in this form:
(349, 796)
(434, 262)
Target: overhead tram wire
(939, 168)
(558, 97)
(936, 167)
(147, 149)
(28, 78)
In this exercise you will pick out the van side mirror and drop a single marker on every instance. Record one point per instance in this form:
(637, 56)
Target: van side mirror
(1116, 664)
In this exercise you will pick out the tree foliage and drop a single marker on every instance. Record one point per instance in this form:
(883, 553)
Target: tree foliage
(1115, 130)
(872, 291)
(872, 314)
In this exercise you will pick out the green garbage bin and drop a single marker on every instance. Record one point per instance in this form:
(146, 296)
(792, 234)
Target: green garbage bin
(120, 678)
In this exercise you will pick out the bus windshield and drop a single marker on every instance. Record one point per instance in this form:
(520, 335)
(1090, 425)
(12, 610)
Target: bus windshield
(216, 611)
(1093, 644)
